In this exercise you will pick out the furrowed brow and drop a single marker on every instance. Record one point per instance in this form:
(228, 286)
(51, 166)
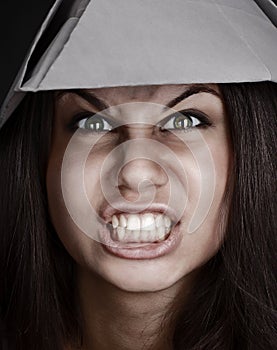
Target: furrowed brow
(88, 96)
(192, 90)
(100, 104)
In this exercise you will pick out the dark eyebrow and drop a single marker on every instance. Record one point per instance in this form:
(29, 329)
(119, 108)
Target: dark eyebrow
(100, 104)
(192, 90)
(88, 96)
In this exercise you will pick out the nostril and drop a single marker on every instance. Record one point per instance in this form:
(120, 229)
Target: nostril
(128, 194)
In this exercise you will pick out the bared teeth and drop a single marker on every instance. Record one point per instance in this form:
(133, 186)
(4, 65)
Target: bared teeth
(159, 220)
(167, 221)
(115, 221)
(122, 221)
(144, 227)
(120, 233)
(161, 232)
(148, 222)
(136, 235)
(133, 222)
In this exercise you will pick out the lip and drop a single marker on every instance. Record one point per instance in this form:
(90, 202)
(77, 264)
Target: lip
(141, 251)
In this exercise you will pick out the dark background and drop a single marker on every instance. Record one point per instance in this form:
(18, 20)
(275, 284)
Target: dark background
(20, 20)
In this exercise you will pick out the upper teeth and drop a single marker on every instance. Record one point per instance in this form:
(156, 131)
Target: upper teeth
(140, 227)
(145, 221)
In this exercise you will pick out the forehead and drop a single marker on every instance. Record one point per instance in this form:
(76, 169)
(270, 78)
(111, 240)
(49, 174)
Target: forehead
(153, 93)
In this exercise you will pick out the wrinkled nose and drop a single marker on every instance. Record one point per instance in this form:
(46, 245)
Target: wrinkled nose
(142, 167)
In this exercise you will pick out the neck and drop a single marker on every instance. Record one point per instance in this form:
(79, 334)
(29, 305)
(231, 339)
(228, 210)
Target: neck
(121, 320)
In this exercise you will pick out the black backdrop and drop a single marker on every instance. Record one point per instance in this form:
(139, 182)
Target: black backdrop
(19, 22)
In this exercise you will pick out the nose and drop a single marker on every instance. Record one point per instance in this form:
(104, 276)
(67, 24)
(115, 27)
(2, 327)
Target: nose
(142, 167)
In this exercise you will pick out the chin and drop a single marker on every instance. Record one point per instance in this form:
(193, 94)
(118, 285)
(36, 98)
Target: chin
(143, 276)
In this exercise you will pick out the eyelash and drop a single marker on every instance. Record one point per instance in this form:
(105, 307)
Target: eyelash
(191, 115)
(84, 116)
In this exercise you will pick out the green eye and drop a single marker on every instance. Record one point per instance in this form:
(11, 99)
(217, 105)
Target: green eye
(182, 122)
(94, 123)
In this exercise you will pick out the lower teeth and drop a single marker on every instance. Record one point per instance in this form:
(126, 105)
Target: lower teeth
(139, 236)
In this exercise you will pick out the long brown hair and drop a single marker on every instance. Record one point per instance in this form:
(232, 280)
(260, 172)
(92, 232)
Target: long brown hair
(234, 302)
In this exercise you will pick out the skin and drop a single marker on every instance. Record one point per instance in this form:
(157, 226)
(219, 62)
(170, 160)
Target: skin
(111, 290)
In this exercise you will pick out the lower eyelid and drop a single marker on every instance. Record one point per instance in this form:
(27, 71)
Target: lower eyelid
(80, 121)
(194, 118)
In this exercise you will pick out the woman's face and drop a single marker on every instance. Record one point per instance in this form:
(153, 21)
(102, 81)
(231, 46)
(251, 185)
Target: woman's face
(136, 196)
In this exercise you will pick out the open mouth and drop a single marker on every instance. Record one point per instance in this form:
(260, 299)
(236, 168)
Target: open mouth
(136, 232)
(140, 228)
(141, 236)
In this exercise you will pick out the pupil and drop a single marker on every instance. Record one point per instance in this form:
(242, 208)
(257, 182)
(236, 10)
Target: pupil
(95, 124)
(182, 122)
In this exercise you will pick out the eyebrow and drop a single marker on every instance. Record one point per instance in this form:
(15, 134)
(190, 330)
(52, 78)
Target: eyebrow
(97, 102)
(88, 96)
(192, 90)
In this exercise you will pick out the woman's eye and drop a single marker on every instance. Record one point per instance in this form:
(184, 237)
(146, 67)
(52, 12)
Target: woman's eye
(94, 123)
(184, 121)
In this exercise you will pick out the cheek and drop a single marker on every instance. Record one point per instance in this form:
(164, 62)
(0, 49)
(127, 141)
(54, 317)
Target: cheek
(84, 250)
(202, 221)
(206, 165)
